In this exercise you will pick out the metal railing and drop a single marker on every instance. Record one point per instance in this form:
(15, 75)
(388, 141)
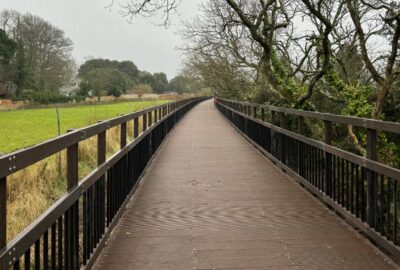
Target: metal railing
(73, 231)
(362, 190)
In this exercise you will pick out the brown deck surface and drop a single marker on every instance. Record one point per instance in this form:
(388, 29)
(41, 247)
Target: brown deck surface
(211, 201)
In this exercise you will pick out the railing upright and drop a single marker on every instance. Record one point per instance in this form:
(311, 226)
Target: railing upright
(3, 212)
(123, 135)
(328, 158)
(371, 177)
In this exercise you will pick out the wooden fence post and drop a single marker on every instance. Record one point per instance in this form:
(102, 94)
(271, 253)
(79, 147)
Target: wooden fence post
(101, 147)
(123, 135)
(150, 119)
(144, 122)
(72, 165)
(136, 127)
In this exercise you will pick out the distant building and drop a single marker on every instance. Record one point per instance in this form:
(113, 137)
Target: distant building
(70, 88)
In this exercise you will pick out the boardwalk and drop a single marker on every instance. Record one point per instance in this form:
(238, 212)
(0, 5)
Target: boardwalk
(211, 201)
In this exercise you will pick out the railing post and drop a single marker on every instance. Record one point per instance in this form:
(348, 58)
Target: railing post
(123, 135)
(328, 159)
(300, 125)
(283, 120)
(3, 212)
(255, 111)
(371, 177)
(150, 118)
(263, 114)
(71, 240)
(101, 148)
(144, 122)
(72, 166)
(273, 118)
(136, 127)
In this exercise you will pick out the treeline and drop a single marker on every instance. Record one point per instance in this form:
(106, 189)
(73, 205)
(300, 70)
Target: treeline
(99, 77)
(337, 56)
(35, 56)
(36, 64)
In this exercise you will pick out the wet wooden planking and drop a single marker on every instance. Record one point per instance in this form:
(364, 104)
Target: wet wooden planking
(211, 201)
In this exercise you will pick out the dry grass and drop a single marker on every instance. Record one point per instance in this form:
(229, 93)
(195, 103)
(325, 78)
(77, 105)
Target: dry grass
(33, 190)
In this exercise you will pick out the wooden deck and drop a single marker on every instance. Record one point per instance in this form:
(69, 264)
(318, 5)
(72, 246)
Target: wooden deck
(211, 201)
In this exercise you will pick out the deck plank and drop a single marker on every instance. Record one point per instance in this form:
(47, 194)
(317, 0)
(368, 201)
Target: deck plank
(211, 201)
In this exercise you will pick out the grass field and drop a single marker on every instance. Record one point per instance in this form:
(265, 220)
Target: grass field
(22, 128)
(34, 189)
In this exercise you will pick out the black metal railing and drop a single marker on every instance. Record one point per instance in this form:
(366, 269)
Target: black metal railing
(362, 190)
(73, 231)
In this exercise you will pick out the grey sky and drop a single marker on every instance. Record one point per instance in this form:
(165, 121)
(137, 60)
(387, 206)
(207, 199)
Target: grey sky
(98, 32)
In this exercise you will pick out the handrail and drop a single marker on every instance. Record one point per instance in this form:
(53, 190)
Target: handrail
(20, 159)
(362, 190)
(340, 119)
(91, 207)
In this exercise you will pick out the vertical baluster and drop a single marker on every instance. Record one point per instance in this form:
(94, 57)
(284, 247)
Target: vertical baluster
(16, 265)
(347, 168)
(357, 191)
(60, 243)
(328, 159)
(72, 215)
(388, 208)
(371, 154)
(395, 214)
(27, 259)
(53, 247)
(363, 201)
(381, 203)
(3, 212)
(37, 255)
(333, 177)
(352, 188)
(46, 250)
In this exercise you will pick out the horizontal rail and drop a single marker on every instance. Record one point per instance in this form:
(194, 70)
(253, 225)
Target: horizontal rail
(18, 160)
(392, 127)
(71, 233)
(364, 191)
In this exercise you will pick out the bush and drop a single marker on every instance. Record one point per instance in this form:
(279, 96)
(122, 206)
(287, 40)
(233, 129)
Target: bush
(142, 89)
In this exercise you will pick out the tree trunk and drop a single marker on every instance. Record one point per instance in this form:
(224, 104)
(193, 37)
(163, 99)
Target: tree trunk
(381, 99)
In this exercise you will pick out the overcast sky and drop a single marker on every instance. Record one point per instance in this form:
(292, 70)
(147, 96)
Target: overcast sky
(98, 32)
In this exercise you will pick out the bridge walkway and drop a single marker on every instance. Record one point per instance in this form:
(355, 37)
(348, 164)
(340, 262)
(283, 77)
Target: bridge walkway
(210, 200)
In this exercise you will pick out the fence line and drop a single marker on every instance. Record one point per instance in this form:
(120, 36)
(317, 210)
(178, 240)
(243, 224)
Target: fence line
(361, 189)
(73, 231)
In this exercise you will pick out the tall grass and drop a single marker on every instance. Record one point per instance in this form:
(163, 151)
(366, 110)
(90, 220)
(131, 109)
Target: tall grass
(33, 190)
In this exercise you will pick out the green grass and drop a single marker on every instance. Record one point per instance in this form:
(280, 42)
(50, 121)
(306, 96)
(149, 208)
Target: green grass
(23, 128)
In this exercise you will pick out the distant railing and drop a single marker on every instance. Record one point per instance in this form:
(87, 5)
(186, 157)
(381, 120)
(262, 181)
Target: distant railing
(73, 231)
(361, 189)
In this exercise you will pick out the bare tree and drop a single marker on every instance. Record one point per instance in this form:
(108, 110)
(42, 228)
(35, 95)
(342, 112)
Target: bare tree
(46, 49)
(378, 21)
